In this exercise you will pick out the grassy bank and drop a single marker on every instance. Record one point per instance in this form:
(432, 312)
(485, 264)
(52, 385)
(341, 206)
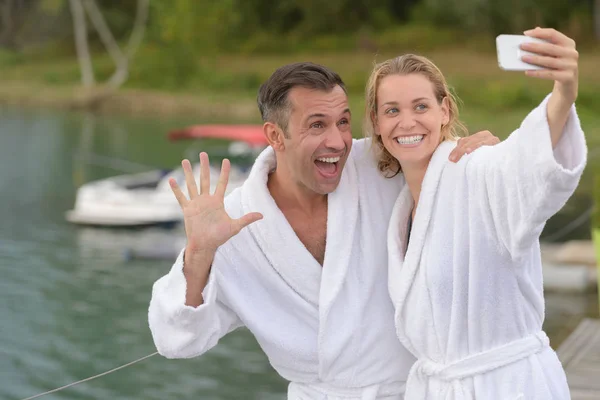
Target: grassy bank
(223, 87)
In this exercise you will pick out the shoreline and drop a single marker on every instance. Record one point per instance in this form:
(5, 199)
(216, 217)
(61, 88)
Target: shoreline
(128, 102)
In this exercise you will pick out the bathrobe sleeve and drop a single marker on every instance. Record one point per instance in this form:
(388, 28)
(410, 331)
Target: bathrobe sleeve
(525, 181)
(181, 331)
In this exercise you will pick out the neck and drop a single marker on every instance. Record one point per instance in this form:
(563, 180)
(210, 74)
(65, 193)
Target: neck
(414, 175)
(291, 195)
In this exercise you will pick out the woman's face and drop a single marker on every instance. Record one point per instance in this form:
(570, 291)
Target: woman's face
(409, 118)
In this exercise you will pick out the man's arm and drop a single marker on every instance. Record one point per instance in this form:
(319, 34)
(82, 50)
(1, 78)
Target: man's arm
(196, 269)
(183, 331)
(186, 316)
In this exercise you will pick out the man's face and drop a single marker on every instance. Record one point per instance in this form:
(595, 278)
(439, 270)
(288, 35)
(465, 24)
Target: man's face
(318, 139)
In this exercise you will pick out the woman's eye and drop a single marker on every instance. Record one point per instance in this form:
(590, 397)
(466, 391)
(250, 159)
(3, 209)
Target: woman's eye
(393, 110)
(421, 107)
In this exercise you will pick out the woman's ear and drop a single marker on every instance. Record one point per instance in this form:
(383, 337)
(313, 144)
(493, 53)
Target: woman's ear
(274, 136)
(445, 111)
(373, 117)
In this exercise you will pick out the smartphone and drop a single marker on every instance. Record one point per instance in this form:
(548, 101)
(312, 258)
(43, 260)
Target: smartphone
(509, 52)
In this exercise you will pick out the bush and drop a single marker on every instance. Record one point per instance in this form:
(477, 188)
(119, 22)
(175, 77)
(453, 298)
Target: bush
(10, 58)
(416, 37)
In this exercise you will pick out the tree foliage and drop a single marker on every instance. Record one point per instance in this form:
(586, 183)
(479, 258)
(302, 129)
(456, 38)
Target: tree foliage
(231, 25)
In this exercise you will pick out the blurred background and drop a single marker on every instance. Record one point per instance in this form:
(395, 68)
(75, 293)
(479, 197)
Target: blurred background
(91, 90)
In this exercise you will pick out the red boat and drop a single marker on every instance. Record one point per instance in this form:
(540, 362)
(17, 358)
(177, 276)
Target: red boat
(251, 134)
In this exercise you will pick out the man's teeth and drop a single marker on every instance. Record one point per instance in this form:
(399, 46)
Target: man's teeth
(329, 159)
(409, 139)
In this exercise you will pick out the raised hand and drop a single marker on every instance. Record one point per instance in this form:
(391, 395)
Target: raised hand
(207, 224)
(559, 57)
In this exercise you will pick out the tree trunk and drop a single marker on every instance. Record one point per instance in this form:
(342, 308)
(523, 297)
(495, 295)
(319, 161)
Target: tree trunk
(107, 39)
(81, 43)
(7, 26)
(120, 59)
(13, 14)
(597, 19)
(139, 27)
(137, 34)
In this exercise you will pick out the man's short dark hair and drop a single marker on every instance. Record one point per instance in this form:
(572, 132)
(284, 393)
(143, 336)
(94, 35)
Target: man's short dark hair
(273, 94)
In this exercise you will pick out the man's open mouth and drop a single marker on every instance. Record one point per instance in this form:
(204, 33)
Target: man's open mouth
(327, 166)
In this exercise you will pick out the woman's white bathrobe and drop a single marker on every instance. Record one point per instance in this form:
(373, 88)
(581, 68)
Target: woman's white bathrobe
(468, 290)
(329, 330)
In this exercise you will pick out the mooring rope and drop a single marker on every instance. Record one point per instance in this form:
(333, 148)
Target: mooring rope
(91, 377)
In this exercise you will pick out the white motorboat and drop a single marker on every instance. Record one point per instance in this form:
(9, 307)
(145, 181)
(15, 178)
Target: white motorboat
(146, 198)
(138, 199)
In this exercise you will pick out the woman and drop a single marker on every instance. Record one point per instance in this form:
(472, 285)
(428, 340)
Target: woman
(465, 271)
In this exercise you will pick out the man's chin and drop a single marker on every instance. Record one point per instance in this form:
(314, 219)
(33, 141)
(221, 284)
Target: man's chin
(326, 187)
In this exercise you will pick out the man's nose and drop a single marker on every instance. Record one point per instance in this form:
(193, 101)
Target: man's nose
(335, 139)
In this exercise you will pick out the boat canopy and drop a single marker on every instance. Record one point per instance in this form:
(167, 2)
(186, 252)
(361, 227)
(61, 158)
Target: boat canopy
(251, 134)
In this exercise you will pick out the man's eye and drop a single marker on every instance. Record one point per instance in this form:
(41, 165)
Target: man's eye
(344, 122)
(317, 125)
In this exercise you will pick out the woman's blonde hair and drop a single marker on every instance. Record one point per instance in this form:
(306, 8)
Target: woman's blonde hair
(404, 65)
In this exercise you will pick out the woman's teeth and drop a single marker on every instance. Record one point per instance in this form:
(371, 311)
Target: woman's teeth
(329, 159)
(409, 139)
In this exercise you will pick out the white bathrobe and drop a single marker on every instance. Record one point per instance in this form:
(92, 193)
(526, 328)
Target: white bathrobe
(329, 330)
(468, 289)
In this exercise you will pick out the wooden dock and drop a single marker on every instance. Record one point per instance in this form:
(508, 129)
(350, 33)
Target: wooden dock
(580, 356)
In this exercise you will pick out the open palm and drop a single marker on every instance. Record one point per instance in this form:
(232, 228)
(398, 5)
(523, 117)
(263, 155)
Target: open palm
(207, 224)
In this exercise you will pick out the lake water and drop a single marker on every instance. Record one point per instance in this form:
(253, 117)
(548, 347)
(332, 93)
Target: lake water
(73, 305)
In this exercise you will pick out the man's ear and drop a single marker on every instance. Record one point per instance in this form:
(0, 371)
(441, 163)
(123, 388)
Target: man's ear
(274, 136)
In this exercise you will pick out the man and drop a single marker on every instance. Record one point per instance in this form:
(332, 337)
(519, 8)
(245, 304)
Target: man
(308, 274)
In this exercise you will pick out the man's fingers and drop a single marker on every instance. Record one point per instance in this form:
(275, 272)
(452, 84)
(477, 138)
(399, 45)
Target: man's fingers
(468, 144)
(189, 179)
(458, 151)
(246, 220)
(204, 174)
(456, 154)
(181, 199)
(475, 146)
(223, 178)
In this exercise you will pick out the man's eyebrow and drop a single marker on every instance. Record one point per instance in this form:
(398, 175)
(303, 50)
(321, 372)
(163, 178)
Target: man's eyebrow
(320, 115)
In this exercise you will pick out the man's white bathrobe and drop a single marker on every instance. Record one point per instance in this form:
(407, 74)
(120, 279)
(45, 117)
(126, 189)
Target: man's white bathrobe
(329, 330)
(468, 289)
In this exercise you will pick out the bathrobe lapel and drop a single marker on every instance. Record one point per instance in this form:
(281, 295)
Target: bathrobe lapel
(403, 261)
(275, 237)
(286, 253)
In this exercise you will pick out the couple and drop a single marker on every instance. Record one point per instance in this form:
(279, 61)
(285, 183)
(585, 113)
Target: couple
(302, 254)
